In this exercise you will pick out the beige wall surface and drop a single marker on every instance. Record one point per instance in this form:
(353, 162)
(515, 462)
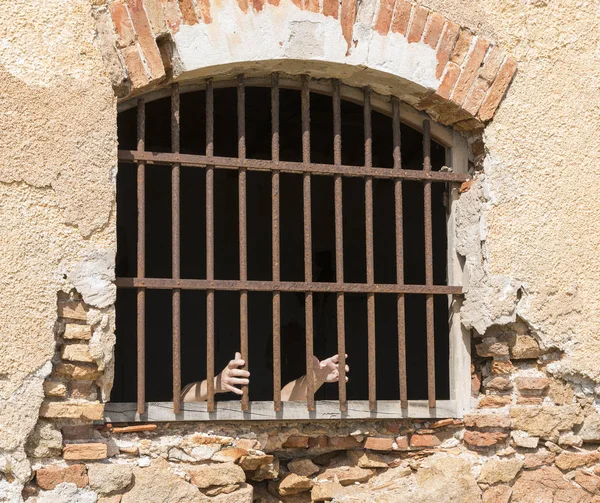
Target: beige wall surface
(58, 163)
(57, 169)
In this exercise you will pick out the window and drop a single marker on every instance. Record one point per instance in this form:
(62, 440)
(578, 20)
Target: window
(286, 217)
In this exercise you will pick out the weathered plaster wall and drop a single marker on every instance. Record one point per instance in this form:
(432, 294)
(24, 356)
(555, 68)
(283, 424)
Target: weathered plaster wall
(541, 223)
(57, 166)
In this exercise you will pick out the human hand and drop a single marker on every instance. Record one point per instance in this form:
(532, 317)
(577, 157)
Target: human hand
(232, 375)
(327, 370)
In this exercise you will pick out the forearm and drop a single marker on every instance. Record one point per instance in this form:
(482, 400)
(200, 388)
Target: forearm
(198, 391)
(297, 389)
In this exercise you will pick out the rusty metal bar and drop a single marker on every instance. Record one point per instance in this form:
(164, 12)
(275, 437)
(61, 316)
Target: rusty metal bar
(210, 251)
(241, 116)
(429, 265)
(308, 296)
(399, 254)
(141, 258)
(369, 249)
(339, 244)
(284, 286)
(201, 161)
(275, 242)
(176, 250)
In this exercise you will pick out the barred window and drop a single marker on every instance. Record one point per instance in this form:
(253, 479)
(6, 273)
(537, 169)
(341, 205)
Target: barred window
(287, 217)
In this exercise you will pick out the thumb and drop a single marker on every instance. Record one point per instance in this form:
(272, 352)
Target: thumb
(316, 362)
(238, 356)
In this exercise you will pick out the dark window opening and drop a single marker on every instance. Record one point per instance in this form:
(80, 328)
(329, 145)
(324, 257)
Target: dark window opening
(158, 254)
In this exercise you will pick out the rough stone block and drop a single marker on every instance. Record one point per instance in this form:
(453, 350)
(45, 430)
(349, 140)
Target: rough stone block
(523, 439)
(497, 470)
(545, 421)
(72, 309)
(69, 410)
(481, 420)
(532, 384)
(303, 467)
(589, 482)
(253, 461)
(491, 347)
(493, 401)
(83, 390)
(269, 471)
(95, 450)
(590, 430)
(367, 459)
(231, 454)
(533, 461)
(54, 389)
(77, 332)
(546, 484)
(76, 353)
(106, 478)
(571, 460)
(326, 491)
(50, 476)
(221, 474)
(294, 484)
(77, 371)
(347, 475)
(498, 383)
(45, 441)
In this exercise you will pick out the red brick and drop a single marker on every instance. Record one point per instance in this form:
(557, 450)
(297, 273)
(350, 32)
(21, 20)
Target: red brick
(173, 15)
(501, 367)
(331, 8)
(497, 89)
(310, 5)
(296, 442)
(424, 441)
(204, 8)
(188, 12)
(49, 477)
(481, 439)
(320, 441)
(257, 5)
(475, 96)
(146, 39)
(469, 71)
(402, 443)
(244, 7)
(156, 17)
(401, 17)
(493, 401)
(475, 384)
(347, 18)
(417, 23)
(122, 22)
(135, 67)
(449, 79)
(492, 63)
(347, 442)
(379, 444)
(461, 48)
(433, 29)
(384, 18)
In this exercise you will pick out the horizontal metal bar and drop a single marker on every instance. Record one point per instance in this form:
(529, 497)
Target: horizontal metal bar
(201, 161)
(284, 286)
(324, 409)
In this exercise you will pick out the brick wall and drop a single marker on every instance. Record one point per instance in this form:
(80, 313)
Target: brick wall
(528, 436)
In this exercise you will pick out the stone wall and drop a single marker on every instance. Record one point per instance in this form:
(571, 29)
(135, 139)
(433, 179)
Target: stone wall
(528, 436)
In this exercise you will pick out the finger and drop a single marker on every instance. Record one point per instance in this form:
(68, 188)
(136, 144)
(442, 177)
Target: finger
(238, 380)
(233, 389)
(236, 363)
(239, 373)
(347, 378)
(347, 368)
(334, 358)
(238, 356)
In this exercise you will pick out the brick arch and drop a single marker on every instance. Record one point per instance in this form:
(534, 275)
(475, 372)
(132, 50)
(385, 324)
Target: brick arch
(456, 76)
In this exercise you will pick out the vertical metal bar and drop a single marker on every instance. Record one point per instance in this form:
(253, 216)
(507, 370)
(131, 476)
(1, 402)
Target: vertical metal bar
(176, 250)
(141, 259)
(399, 255)
(369, 249)
(339, 243)
(275, 242)
(308, 298)
(210, 251)
(241, 115)
(429, 265)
